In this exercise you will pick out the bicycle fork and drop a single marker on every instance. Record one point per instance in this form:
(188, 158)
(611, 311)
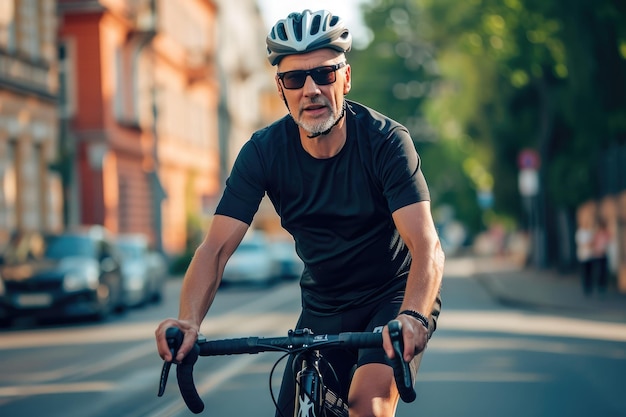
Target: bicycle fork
(309, 400)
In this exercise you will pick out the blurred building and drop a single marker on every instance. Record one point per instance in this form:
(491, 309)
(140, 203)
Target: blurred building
(246, 78)
(139, 114)
(249, 98)
(128, 113)
(30, 188)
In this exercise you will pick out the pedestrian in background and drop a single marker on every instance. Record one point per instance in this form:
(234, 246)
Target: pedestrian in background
(599, 258)
(584, 254)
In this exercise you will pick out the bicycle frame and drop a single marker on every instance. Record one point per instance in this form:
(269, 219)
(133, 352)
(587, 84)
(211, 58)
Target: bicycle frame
(312, 399)
(309, 401)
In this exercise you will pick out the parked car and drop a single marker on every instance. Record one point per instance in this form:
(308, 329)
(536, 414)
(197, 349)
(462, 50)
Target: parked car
(76, 273)
(144, 271)
(252, 262)
(289, 265)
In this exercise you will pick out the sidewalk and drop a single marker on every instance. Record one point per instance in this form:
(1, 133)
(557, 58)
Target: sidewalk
(547, 289)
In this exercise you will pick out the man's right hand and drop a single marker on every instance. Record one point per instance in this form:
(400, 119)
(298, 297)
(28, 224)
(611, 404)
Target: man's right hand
(190, 333)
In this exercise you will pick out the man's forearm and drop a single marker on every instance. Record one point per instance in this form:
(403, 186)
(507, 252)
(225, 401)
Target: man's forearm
(199, 288)
(424, 282)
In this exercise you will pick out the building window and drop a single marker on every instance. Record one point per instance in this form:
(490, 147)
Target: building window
(67, 86)
(8, 188)
(48, 31)
(133, 83)
(7, 25)
(124, 210)
(28, 30)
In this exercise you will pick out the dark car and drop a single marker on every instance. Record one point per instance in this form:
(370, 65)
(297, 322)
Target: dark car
(76, 273)
(144, 271)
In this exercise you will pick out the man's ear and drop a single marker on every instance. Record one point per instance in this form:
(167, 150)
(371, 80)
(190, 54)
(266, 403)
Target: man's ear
(280, 88)
(348, 84)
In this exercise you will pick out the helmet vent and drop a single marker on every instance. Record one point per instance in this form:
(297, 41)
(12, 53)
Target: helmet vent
(315, 25)
(333, 21)
(281, 32)
(297, 25)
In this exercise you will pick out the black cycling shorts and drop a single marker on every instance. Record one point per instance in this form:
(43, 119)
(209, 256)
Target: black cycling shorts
(370, 318)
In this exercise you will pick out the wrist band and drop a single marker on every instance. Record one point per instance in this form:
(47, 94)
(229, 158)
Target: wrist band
(419, 316)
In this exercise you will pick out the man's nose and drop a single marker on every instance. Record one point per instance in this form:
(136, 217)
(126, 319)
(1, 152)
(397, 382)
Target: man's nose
(310, 87)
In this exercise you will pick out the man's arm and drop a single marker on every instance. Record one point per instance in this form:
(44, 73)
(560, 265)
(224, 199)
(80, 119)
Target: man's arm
(201, 282)
(417, 229)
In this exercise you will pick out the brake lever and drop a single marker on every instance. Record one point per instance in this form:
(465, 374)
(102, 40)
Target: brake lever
(174, 339)
(165, 371)
(401, 369)
(184, 370)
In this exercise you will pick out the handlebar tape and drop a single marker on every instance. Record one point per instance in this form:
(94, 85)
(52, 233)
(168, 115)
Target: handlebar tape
(239, 346)
(184, 374)
(401, 370)
(254, 345)
(184, 370)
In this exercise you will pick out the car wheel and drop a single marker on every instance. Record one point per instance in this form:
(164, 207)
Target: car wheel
(157, 296)
(5, 323)
(120, 306)
(105, 303)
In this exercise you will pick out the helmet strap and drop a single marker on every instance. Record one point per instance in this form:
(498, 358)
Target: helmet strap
(282, 95)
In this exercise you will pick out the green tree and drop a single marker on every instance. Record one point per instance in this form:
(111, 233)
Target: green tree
(399, 73)
(498, 76)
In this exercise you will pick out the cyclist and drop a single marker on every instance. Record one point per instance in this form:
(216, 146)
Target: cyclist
(347, 184)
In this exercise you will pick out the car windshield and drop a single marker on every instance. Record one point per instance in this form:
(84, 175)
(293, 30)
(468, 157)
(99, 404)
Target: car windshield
(250, 246)
(21, 248)
(59, 247)
(130, 250)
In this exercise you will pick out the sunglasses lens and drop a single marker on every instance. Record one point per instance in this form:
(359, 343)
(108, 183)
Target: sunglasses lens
(293, 80)
(323, 76)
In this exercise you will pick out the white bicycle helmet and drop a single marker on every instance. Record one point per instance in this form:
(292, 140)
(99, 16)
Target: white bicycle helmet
(306, 32)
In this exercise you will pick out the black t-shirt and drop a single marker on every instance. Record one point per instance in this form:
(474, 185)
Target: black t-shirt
(337, 209)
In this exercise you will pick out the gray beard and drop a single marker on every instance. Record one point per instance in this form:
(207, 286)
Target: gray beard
(318, 128)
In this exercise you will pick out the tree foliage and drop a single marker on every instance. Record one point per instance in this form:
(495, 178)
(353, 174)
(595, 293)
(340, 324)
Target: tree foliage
(477, 81)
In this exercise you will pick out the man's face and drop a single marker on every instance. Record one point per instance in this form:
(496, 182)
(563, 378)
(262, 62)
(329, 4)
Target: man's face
(315, 107)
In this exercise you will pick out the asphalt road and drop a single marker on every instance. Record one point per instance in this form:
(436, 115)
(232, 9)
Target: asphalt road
(484, 360)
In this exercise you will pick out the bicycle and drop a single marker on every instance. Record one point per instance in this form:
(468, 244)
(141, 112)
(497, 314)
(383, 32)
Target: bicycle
(313, 398)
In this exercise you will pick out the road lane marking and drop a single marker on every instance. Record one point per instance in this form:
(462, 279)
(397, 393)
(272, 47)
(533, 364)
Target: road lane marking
(516, 322)
(483, 377)
(29, 390)
(481, 344)
(80, 370)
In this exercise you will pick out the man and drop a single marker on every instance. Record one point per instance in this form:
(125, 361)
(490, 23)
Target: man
(347, 184)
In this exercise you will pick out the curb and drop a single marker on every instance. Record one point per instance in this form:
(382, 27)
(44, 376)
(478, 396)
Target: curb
(541, 292)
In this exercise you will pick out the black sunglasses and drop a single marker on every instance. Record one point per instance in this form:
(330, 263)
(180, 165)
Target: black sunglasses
(292, 80)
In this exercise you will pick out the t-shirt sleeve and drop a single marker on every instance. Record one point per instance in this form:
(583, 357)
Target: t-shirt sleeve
(244, 187)
(401, 174)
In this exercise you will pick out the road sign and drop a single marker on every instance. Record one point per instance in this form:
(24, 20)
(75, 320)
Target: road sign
(528, 159)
